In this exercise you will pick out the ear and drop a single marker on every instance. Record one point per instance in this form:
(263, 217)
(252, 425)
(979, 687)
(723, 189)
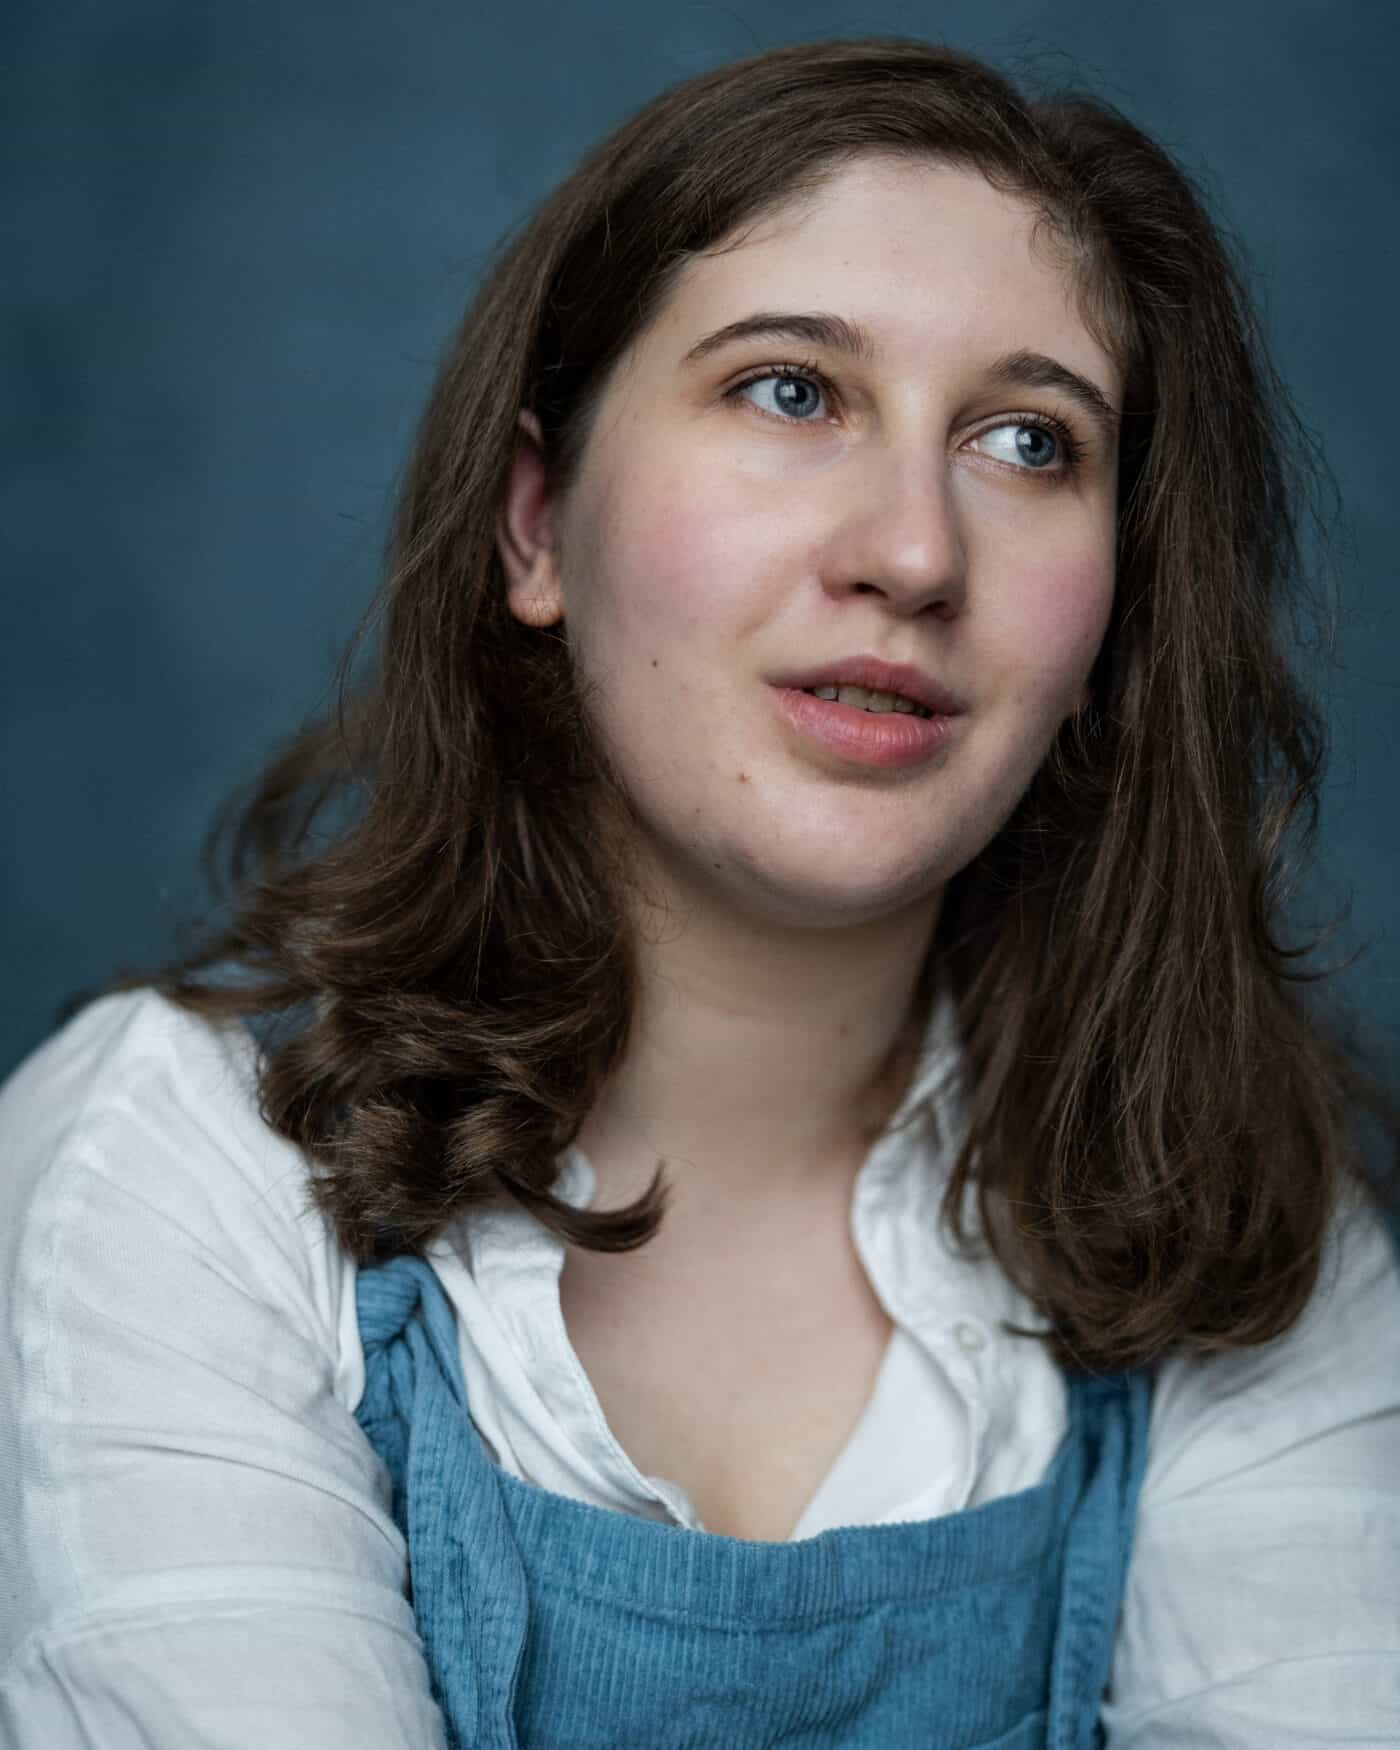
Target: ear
(525, 534)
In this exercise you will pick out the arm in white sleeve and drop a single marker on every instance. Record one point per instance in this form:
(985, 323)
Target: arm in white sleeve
(1262, 1609)
(197, 1549)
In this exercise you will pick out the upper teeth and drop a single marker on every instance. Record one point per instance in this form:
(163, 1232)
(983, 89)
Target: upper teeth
(869, 701)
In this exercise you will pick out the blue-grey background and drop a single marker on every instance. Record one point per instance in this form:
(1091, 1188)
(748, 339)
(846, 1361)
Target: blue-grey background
(234, 239)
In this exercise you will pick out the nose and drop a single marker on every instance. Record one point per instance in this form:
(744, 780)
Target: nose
(898, 535)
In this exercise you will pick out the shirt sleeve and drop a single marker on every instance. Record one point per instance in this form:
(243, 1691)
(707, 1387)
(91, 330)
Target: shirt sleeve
(1262, 1607)
(196, 1551)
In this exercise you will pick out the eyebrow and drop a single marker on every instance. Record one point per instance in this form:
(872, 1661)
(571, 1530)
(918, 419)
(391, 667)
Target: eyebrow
(1019, 369)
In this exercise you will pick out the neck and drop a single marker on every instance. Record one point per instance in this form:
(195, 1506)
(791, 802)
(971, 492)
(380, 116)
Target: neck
(760, 1062)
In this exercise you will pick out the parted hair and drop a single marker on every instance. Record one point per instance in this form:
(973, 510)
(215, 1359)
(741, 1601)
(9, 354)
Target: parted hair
(1160, 1112)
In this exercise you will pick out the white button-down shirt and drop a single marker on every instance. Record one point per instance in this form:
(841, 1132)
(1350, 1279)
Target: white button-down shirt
(196, 1548)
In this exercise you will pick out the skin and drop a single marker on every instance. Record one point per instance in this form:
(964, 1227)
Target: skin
(709, 543)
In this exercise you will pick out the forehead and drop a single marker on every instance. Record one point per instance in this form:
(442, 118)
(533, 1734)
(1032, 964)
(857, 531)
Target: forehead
(929, 258)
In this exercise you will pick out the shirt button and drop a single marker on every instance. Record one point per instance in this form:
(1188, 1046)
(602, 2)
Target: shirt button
(970, 1336)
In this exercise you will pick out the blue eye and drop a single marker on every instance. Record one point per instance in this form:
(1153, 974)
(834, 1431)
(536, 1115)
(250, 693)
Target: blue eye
(795, 394)
(1041, 445)
(1034, 444)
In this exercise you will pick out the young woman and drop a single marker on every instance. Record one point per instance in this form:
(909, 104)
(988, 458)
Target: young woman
(780, 1185)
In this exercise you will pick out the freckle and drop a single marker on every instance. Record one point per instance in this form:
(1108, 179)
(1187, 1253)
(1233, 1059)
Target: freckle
(743, 777)
(655, 663)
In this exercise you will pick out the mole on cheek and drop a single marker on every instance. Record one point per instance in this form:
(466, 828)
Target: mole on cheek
(743, 777)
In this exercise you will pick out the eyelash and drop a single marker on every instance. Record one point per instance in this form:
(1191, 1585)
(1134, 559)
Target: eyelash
(1073, 448)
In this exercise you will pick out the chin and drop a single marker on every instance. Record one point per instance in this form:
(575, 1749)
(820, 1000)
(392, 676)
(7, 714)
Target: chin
(802, 898)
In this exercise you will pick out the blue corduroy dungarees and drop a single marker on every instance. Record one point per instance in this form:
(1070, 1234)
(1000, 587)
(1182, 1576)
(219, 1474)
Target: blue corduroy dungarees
(549, 1622)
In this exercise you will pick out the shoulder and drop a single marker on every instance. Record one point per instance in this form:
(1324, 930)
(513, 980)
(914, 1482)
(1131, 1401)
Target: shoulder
(137, 1126)
(112, 1059)
(1218, 1417)
(1263, 1596)
(179, 1364)
(165, 1101)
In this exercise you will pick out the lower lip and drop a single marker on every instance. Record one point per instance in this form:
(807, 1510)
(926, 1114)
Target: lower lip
(870, 738)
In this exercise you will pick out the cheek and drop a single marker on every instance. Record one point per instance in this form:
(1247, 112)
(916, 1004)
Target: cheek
(668, 567)
(1059, 624)
(651, 584)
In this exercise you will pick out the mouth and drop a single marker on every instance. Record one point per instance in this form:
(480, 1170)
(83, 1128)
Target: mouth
(877, 703)
(857, 734)
(875, 685)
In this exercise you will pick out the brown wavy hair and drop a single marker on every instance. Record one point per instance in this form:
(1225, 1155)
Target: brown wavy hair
(1158, 1114)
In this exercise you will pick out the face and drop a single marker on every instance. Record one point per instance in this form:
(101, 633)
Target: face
(730, 526)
